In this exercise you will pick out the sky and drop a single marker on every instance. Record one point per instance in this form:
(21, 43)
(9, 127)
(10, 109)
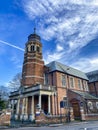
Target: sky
(68, 31)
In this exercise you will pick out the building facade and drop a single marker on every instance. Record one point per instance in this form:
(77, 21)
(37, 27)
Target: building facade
(93, 82)
(49, 86)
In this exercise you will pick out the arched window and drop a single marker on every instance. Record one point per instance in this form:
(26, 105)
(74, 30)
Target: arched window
(32, 47)
(90, 105)
(38, 49)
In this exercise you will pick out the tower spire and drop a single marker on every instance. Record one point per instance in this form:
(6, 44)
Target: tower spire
(34, 30)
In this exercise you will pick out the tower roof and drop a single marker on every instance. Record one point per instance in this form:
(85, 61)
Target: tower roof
(34, 36)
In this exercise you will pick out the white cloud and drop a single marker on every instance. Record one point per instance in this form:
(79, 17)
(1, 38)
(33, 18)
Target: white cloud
(53, 56)
(73, 23)
(59, 48)
(74, 18)
(86, 64)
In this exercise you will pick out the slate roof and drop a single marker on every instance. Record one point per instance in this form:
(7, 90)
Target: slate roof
(85, 95)
(92, 76)
(56, 66)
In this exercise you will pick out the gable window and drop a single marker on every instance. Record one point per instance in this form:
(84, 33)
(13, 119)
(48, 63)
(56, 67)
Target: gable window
(79, 84)
(71, 82)
(63, 78)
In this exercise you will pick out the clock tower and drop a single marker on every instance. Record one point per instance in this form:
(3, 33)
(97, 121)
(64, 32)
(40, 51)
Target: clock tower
(33, 65)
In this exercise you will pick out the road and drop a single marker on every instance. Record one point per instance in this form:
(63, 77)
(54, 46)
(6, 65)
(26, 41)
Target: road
(92, 125)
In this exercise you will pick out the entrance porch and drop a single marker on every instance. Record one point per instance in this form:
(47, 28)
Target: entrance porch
(24, 104)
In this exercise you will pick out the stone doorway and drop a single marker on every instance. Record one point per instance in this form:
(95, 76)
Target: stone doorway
(44, 103)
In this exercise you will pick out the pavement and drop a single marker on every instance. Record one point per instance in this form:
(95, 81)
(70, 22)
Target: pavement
(18, 124)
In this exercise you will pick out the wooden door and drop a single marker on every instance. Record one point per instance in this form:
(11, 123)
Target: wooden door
(76, 111)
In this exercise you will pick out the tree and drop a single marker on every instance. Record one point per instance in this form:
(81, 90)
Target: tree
(15, 83)
(2, 104)
(4, 95)
(4, 92)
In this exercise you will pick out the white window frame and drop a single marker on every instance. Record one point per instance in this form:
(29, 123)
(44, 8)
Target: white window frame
(72, 83)
(63, 80)
(80, 84)
(85, 85)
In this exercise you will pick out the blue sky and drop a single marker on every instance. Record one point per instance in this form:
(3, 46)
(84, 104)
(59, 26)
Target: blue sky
(68, 29)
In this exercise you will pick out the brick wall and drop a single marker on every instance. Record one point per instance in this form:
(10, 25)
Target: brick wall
(41, 118)
(91, 116)
(93, 88)
(62, 90)
(33, 72)
(44, 119)
(5, 117)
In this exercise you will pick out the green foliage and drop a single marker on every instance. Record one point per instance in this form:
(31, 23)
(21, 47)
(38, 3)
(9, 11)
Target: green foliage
(2, 104)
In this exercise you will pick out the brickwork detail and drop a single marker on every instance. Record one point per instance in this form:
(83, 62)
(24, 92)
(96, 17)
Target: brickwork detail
(5, 117)
(46, 119)
(91, 116)
(41, 118)
(33, 66)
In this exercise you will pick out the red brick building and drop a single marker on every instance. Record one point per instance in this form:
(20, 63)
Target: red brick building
(47, 86)
(93, 82)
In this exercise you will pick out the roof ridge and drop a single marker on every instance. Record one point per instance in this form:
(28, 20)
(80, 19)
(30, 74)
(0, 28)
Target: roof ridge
(71, 67)
(57, 66)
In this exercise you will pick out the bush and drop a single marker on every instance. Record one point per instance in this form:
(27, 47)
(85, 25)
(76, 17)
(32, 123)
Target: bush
(2, 104)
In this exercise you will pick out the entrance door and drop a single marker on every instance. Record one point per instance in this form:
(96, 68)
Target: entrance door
(29, 105)
(45, 103)
(76, 111)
